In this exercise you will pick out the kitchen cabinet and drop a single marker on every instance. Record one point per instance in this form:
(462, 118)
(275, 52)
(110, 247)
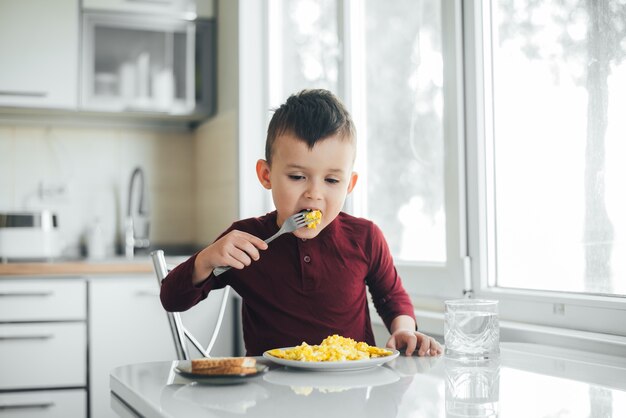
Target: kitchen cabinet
(43, 404)
(135, 63)
(148, 64)
(188, 8)
(60, 336)
(144, 59)
(128, 325)
(39, 42)
(43, 347)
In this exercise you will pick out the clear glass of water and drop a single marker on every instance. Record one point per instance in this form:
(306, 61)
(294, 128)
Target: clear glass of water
(471, 329)
(472, 388)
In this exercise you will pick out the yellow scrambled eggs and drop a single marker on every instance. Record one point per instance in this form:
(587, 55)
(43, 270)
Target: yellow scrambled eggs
(313, 218)
(333, 348)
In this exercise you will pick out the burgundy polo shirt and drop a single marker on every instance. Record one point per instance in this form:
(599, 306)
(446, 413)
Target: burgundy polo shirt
(304, 290)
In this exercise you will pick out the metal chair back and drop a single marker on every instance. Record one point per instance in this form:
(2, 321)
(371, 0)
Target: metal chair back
(179, 333)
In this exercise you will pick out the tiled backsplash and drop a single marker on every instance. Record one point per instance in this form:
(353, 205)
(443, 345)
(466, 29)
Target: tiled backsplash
(83, 175)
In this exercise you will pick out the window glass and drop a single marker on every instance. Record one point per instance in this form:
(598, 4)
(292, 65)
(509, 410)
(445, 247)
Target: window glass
(559, 155)
(304, 47)
(404, 128)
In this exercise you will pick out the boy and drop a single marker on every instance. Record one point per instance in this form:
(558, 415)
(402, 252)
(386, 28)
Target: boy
(312, 283)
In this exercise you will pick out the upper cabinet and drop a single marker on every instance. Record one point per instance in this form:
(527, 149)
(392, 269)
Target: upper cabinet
(189, 9)
(133, 63)
(153, 58)
(39, 42)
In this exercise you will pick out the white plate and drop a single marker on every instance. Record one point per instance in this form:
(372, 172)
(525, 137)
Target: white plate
(332, 365)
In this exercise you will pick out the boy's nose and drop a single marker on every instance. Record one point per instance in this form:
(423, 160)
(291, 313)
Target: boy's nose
(313, 191)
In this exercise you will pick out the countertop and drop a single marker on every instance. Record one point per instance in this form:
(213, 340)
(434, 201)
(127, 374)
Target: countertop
(526, 381)
(113, 265)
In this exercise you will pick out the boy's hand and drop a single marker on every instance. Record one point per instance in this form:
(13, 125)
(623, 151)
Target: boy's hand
(236, 249)
(412, 340)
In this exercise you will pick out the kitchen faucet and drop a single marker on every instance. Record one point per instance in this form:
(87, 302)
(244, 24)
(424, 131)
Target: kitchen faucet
(137, 225)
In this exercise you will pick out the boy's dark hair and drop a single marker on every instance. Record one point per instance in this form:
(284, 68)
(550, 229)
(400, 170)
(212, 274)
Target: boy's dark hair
(310, 115)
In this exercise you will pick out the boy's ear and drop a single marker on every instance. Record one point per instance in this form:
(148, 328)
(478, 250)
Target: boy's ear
(353, 178)
(263, 173)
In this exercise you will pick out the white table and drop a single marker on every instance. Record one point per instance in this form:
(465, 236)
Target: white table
(527, 381)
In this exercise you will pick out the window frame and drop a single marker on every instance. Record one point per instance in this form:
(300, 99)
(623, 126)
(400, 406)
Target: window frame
(575, 311)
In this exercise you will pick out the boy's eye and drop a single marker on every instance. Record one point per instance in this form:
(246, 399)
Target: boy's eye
(332, 181)
(295, 177)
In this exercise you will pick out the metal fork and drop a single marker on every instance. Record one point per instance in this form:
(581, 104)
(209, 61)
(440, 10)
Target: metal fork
(292, 223)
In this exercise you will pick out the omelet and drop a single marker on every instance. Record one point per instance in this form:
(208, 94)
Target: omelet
(313, 218)
(333, 348)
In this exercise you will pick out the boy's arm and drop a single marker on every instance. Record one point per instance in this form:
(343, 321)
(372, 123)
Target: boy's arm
(188, 283)
(177, 290)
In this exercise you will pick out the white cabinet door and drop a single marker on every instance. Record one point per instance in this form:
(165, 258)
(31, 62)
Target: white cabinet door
(42, 299)
(127, 325)
(44, 404)
(42, 355)
(39, 53)
(145, 6)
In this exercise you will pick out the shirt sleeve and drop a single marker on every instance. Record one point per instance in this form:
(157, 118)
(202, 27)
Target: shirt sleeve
(178, 293)
(388, 294)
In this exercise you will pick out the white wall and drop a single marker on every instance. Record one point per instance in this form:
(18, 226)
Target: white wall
(216, 145)
(85, 174)
(192, 176)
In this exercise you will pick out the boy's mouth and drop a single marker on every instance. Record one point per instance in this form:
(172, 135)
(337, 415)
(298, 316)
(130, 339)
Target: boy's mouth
(313, 217)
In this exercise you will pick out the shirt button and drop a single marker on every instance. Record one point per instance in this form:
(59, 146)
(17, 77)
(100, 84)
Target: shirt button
(303, 239)
(307, 259)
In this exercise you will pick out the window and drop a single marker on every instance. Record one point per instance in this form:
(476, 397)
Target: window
(551, 78)
(303, 47)
(489, 137)
(398, 108)
(405, 198)
(558, 151)
(404, 127)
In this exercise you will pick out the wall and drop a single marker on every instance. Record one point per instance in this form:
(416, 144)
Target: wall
(216, 140)
(83, 173)
(192, 176)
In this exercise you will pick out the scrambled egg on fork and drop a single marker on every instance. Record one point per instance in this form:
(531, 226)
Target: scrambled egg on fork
(313, 218)
(333, 348)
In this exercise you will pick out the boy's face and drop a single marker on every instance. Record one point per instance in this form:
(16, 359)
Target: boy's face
(302, 178)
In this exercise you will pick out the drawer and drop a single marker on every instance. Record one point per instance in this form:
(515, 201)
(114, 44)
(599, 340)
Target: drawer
(26, 300)
(44, 404)
(46, 355)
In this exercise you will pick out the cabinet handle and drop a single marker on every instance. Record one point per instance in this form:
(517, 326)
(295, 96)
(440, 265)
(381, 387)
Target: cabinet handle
(151, 1)
(23, 93)
(25, 337)
(24, 294)
(142, 293)
(34, 405)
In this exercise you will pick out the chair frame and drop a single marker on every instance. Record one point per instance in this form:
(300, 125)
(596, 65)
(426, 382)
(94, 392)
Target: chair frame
(179, 332)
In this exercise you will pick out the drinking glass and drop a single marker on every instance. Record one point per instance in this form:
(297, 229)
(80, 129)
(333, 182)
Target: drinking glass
(472, 388)
(471, 329)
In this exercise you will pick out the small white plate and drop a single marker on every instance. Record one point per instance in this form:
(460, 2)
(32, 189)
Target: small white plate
(332, 365)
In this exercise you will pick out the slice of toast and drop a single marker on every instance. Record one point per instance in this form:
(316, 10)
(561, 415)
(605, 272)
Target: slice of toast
(226, 370)
(221, 362)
